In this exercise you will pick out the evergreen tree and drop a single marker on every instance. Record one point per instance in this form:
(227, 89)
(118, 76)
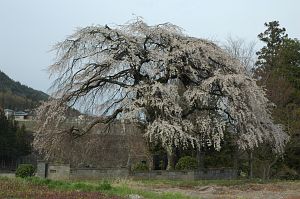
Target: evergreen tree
(14, 140)
(278, 70)
(273, 37)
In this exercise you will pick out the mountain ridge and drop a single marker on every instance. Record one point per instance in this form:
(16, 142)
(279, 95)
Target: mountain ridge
(16, 96)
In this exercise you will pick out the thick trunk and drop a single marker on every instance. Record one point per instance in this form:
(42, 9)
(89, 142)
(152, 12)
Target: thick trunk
(171, 158)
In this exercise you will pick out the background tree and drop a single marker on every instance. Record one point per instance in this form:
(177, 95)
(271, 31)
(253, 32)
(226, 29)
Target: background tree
(186, 91)
(241, 50)
(244, 52)
(14, 140)
(273, 37)
(278, 70)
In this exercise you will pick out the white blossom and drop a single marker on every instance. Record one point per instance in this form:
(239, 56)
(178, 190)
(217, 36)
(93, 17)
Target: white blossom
(187, 91)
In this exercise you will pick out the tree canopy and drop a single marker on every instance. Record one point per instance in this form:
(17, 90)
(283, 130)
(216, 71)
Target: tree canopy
(278, 70)
(14, 140)
(186, 91)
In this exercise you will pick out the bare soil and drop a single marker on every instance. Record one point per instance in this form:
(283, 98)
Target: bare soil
(278, 190)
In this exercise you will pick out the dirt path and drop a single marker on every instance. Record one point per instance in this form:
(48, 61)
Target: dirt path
(288, 190)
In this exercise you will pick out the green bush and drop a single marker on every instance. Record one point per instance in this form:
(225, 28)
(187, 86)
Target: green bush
(186, 163)
(287, 173)
(105, 185)
(25, 170)
(141, 166)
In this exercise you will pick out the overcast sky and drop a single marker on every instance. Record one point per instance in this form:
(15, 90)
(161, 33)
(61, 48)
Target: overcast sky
(29, 28)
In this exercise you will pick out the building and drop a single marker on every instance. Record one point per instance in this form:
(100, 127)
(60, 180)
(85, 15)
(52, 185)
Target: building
(8, 113)
(17, 115)
(20, 116)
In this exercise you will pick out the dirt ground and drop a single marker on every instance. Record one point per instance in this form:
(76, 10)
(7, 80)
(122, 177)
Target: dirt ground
(278, 190)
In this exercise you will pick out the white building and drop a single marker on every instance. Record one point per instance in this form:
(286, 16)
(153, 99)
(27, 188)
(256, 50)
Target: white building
(17, 115)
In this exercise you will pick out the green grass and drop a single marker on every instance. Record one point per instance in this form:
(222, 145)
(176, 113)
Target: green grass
(125, 191)
(118, 189)
(64, 185)
(123, 187)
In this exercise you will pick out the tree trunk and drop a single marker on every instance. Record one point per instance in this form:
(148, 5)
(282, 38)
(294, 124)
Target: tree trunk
(200, 159)
(171, 158)
(236, 155)
(268, 168)
(250, 164)
(268, 172)
(264, 172)
(129, 162)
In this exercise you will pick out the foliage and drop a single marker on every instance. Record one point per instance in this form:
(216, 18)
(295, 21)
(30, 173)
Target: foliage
(25, 170)
(228, 156)
(186, 163)
(278, 70)
(273, 37)
(14, 95)
(286, 173)
(14, 140)
(186, 91)
(141, 166)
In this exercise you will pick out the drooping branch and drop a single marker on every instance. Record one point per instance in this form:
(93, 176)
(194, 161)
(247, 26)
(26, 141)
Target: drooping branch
(186, 91)
(76, 132)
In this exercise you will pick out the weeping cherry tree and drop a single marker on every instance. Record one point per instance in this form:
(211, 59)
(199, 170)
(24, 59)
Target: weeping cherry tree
(184, 90)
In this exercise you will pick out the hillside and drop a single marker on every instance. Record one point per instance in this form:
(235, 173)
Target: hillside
(14, 95)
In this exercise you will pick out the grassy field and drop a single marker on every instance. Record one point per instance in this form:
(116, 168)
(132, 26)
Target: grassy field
(44, 188)
(152, 189)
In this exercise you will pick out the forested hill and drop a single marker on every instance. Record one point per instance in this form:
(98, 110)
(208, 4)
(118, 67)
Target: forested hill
(14, 95)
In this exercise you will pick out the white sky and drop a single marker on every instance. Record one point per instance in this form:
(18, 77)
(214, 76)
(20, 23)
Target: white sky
(29, 28)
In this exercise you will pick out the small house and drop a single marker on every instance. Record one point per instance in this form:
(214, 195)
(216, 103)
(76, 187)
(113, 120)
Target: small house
(20, 115)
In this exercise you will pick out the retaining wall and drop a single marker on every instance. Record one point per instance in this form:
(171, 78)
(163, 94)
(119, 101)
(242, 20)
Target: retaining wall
(90, 173)
(63, 171)
(209, 174)
(58, 171)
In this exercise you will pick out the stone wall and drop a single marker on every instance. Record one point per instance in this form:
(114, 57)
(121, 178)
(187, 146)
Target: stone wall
(57, 171)
(205, 174)
(220, 173)
(162, 175)
(41, 169)
(95, 174)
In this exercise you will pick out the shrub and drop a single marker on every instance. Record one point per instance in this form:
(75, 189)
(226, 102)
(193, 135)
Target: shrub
(105, 185)
(186, 163)
(287, 173)
(141, 166)
(25, 170)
